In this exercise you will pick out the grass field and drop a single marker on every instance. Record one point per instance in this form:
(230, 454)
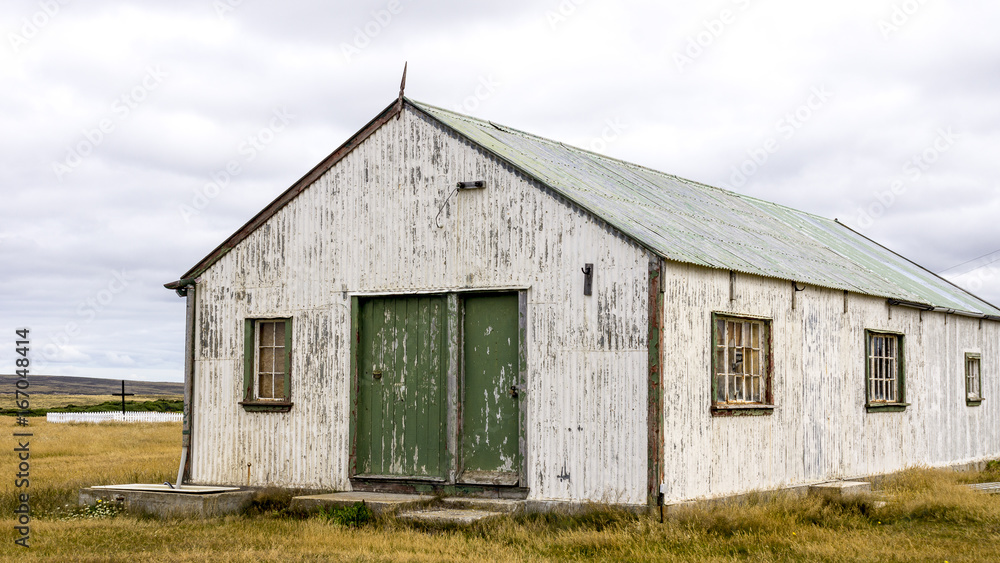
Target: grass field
(929, 517)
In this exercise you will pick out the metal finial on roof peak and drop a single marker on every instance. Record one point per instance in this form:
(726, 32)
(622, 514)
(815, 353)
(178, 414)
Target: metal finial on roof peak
(402, 86)
(402, 83)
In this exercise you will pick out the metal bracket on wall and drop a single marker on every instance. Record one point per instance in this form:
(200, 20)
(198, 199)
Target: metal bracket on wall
(588, 279)
(795, 291)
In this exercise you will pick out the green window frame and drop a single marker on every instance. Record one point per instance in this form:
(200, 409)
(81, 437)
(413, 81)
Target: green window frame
(741, 365)
(267, 365)
(885, 371)
(973, 379)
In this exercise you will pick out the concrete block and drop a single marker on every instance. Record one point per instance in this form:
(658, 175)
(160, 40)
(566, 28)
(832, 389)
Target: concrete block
(841, 489)
(992, 488)
(172, 503)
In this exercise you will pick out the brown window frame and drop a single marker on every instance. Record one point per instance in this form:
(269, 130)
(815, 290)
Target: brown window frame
(760, 398)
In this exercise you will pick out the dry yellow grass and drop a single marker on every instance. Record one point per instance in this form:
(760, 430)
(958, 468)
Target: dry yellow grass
(67, 457)
(931, 517)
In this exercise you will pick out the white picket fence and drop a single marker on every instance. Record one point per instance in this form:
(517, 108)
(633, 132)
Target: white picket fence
(114, 417)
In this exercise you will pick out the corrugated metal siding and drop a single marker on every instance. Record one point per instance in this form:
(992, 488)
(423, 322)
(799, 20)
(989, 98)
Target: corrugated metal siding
(698, 224)
(367, 225)
(819, 429)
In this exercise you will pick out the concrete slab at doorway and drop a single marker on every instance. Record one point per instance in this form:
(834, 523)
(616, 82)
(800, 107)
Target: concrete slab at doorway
(379, 503)
(448, 516)
(507, 506)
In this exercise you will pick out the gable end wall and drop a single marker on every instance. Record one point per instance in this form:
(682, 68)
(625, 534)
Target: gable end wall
(367, 225)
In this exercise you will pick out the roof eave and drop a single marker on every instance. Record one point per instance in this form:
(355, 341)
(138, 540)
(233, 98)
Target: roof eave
(949, 282)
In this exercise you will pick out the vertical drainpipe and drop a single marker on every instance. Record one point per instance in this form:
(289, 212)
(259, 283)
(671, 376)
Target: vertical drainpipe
(654, 381)
(190, 292)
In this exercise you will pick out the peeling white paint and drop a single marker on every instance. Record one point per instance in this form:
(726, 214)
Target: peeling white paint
(367, 225)
(820, 429)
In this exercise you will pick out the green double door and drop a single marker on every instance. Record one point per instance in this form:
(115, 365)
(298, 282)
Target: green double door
(411, 350)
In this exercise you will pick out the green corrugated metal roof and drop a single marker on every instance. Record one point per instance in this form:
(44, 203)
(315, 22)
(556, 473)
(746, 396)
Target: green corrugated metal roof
(690, 222)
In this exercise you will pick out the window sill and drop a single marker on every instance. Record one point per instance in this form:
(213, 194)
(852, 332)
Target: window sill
(748, 409)
(974, 402)
(266, 406)
(886, 407)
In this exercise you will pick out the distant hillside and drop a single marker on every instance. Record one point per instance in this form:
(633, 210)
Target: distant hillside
(65, 385)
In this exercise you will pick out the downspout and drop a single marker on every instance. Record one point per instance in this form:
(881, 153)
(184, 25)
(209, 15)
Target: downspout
(654, 382)
(186, 288)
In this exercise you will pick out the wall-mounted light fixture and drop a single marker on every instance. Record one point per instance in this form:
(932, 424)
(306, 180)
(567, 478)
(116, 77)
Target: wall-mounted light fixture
(461, 186)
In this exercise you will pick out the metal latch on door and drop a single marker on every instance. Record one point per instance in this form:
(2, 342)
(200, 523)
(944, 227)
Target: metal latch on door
(515, 390)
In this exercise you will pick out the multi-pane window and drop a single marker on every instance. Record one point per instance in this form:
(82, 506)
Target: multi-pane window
(884, 369)
(270, 359)
(267, 364)
(973, 380)
(740, 365)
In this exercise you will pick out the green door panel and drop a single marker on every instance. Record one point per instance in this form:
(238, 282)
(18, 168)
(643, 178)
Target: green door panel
(490, 412)
(402, 367)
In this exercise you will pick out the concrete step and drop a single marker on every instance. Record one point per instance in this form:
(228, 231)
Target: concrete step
(507, 506)
(840, 489)
(992, 488)
(379, 503)
(448, 516)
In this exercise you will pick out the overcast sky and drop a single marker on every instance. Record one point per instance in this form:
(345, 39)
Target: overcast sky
(119, 117)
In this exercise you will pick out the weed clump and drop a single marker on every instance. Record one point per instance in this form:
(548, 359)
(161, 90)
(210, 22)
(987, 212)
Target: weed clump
(353, 516)
(595, 517)
(760, 515)
(990, 473)
(936, 496)
(100, 509)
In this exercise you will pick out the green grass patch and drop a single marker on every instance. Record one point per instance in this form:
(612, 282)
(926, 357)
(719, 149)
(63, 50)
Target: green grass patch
(354, 516)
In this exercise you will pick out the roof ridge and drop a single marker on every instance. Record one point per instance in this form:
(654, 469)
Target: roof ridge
(670, 216)
(631, 164)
